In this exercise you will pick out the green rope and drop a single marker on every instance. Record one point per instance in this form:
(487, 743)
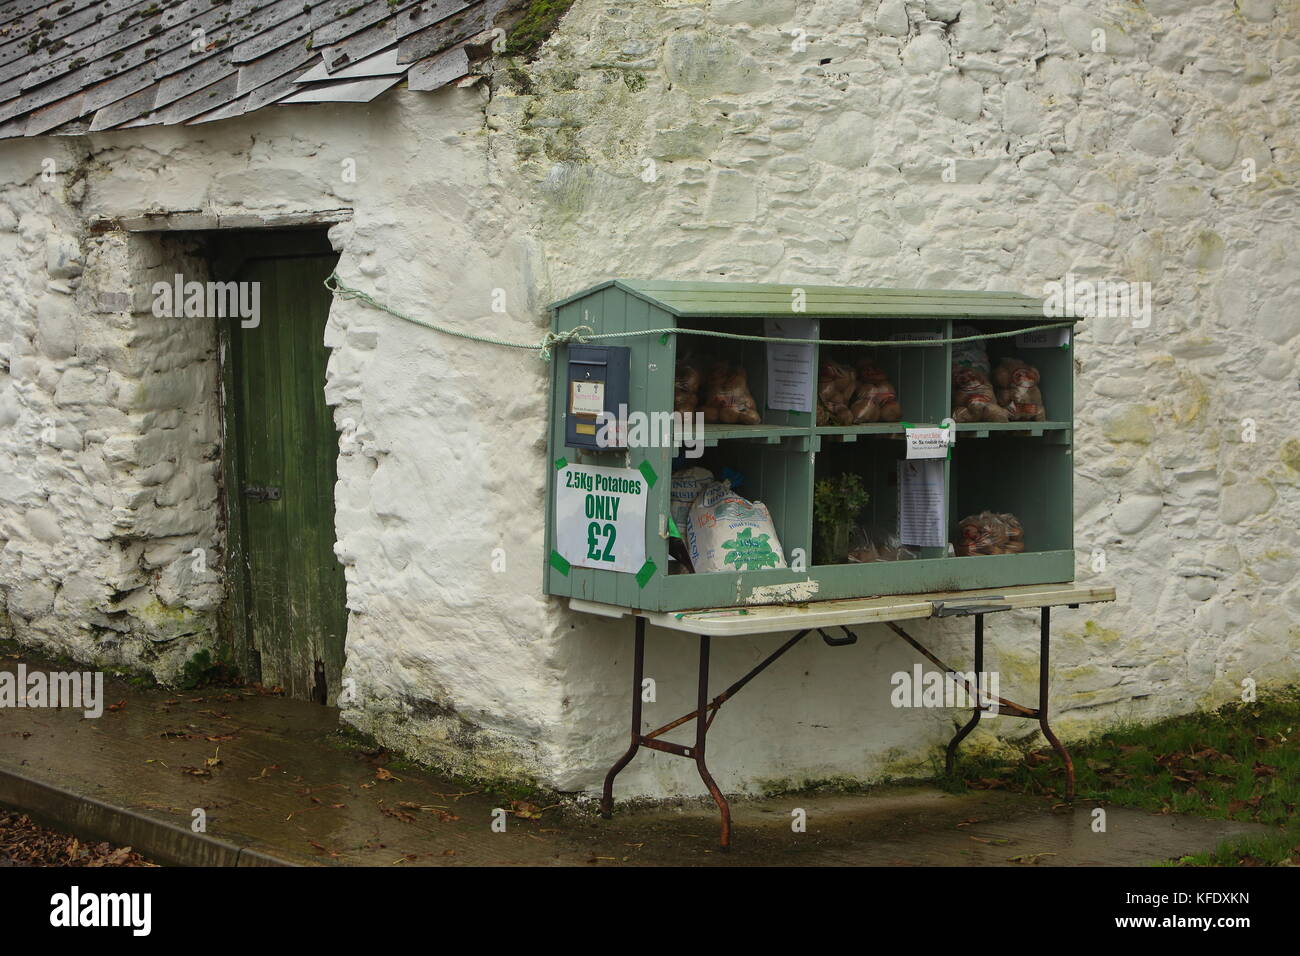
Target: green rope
(585, 333)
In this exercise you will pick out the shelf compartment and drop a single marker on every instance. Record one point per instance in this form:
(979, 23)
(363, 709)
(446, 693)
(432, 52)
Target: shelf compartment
(704, 350)
(1032, 429)
(1028, 479)
(766, 434)
(919, 373)
(875, 461)
(779, 476)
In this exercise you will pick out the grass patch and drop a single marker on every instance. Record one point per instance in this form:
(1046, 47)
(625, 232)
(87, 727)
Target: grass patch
(1239, 762)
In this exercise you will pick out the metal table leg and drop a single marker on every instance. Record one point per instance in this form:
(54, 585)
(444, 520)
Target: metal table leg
(638, 669)
(705, 711)
(951, 756)
(1005, 707)
(701, 729)
(1044, 639)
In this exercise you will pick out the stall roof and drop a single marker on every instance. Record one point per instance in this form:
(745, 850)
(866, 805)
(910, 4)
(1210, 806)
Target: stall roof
(77, 66)
(744, 299)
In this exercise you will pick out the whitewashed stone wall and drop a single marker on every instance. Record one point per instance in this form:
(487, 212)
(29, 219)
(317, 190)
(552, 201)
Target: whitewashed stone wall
(439, 440)
(110, 448)
(1170, 158)
(768, 164)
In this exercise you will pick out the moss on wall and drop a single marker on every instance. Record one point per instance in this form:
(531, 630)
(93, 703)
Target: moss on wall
(537, 24)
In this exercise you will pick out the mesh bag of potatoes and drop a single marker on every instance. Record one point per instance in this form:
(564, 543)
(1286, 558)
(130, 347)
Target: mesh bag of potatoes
(989, 533)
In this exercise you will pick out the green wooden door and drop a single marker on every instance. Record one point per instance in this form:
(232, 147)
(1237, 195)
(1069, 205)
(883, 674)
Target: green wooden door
(281, 436)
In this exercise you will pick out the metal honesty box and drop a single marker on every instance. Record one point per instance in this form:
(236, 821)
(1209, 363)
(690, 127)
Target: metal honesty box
(596, 387)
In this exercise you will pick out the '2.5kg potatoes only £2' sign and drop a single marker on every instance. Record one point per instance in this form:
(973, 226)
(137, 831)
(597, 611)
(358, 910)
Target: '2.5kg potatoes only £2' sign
(600, 517)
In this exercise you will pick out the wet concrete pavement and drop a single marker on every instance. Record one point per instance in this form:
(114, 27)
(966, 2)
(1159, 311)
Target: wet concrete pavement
(276, 780)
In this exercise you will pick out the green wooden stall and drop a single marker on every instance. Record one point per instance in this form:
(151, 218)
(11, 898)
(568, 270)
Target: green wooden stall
(1019, 467)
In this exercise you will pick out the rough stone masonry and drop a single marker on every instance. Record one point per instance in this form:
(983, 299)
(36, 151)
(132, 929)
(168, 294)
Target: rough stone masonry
(972, 145)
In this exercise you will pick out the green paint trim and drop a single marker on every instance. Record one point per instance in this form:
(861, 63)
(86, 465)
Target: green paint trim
(558, 562)
(646, 573)
(651, 476)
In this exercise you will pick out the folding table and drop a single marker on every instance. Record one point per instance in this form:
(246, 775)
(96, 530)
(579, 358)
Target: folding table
(824, 616)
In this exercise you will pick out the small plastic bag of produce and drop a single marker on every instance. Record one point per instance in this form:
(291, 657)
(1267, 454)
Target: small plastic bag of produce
(875, 399)
(727, 398)
(989, 533)
(836, 383)
(877, 544)
(862, 550)
(1015, 534)
(725, 532)
(1018, 390)
(686, 386)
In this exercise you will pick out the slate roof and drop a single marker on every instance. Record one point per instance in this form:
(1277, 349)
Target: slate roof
(72, 66)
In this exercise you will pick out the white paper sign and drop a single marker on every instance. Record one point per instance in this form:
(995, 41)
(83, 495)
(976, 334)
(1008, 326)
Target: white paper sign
(600, 517)
(790, 373)
(927, 442)
(1044, 339)
(587, 398)
(922, 511)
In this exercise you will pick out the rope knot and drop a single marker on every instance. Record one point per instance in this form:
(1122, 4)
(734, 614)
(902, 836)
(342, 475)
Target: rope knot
(577, 334)
(342, 291)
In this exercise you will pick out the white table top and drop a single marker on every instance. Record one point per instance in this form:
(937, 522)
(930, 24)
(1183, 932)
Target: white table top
(731, 621)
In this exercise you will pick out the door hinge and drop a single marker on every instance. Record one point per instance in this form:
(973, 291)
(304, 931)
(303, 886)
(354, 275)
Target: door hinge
(262, 492)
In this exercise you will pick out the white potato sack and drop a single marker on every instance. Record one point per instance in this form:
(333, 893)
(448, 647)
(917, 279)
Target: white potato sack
(726, 532)
(687, 484)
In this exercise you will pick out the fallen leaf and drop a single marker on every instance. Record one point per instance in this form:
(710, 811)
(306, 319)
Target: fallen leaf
(397, 814)
(1029, 857)
(526, 810)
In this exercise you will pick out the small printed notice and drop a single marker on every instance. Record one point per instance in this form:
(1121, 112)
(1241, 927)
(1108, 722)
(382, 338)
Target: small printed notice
(1044, 339)
(587, 398)
(922, 510)
(790, 373)
(600, 517)
(927, 442)
(915, 336)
